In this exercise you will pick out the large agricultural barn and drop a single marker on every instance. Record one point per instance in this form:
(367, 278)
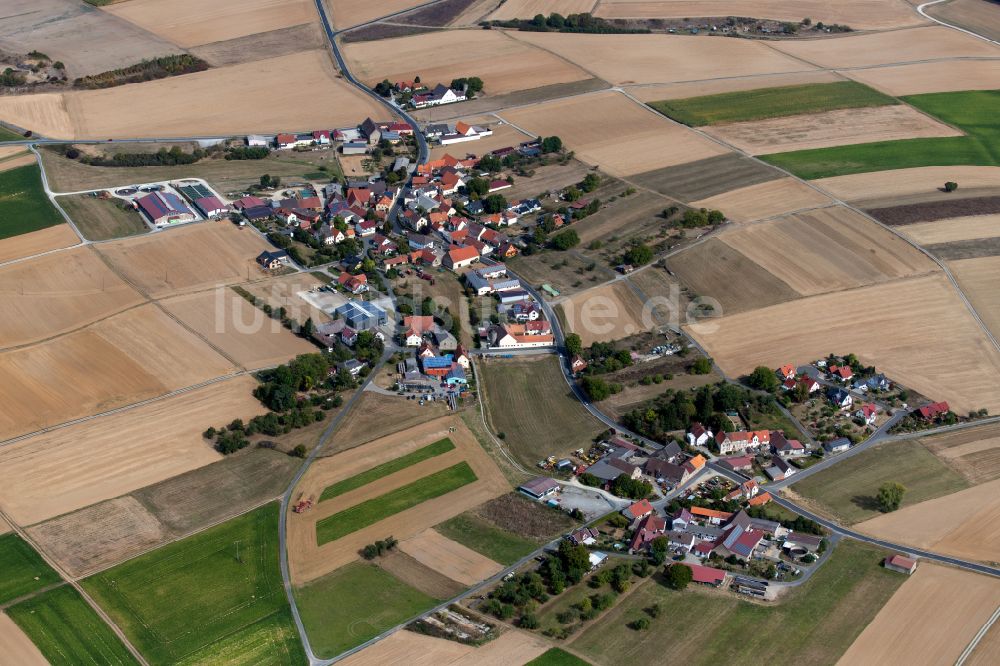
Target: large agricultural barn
(163, 208)
(362, 315)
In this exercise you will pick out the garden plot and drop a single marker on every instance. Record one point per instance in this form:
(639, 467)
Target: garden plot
(628, 59)
(56, 293)
(189, 23)
(113, 455)
(765, 200)
(830, 128)
(504, 64)
(937, 349)
(192, 258)
(612, 132)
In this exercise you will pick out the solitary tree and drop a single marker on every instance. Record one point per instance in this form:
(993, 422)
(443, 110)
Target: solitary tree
(890, 496)
(950, 186)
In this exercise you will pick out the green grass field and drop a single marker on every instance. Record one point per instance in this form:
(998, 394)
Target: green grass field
(385, 469)
(816, 622)
(100, 219)
(7, 135)
(973, 112)
(771, 103)
(847, 490)
(557, 657)
(23, 204)
(68, 631)
(354, 603)
(487, 539)
(368, 513)
(206, 598)
(22, 571)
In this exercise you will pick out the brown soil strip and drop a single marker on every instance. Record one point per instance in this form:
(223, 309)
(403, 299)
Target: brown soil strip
(706, 178)
(419, 576)
(936, 210)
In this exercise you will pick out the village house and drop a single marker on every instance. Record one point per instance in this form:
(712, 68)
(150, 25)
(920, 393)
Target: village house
(706, 575)
(838, 445)
(530, 334)
(698, 435)
(585, 536)
(780, 469)
(646, 530)
(786, 372)
(933, 410)
(737, 463)
(868, 412)
(840, 398)
(900, 563)
(740, 441)
(786, 448)
(460, 257)
(272, 260)
(414, 328)
(354, 284)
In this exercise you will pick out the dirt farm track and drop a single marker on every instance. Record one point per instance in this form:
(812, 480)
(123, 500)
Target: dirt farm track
(308, 561)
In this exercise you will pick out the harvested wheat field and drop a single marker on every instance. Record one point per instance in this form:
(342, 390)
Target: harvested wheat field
(37, 242)
(86, 39)
(504, 64)
(194, 22)
(707, 269)
(936, 349)
(987, 652)
(44, 114)
(765, 200)
(164, 107)
(931, 77)
(16, 647)
(610, 131)
(526, 9)
(132, 356)
(827, 249)
(512, 647)
(449, 557)
(975, 15)
(859, 14)
(899, 46)
(99, 536)
(185, 259)
(625, 59)
(13, 157)
(978, 279)
(347, 13)
(929, 620)
(503, 136)
(972, 452)
(953, 229)
(69, 468)
(609, 312)
(44, 297)
(885, 188)
(231, 323)
(309, 560)
(685, 89)
(830, 128)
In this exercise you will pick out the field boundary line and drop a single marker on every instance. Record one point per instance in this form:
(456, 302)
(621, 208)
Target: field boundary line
(51, 195)
(506, 33)
(82, 327)
(970, 648)
(76, 586)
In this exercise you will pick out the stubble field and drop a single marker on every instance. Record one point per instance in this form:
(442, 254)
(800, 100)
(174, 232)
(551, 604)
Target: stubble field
(450, 558)
(978, 279)
(187, 259)
(242, 331)
(612, 132)
(309, 560)
(858, 14)
(16, 646)
(930, 619)
(627, 59)
(931, 77)
(504, 64)
(608, 312)
(189, 23)
(526, 9)
(50, 295)
(36, 242)
(973, 452)
(898, 186)
(346, 13)
(950, 230)
(73, 467)
(688, 89)
(976, 15)
(511, 647)
(765, 200)
(937, 350)
(830, 128)
(827, 250)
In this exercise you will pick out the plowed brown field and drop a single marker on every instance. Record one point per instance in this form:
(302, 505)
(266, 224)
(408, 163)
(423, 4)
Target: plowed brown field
(936, 349)
(612, 132)
(827, 249)
(765, 200)
(929, 620)
(859, 14)
(194, 22)
(830, 128)
(132, 356)
(36, 242)
(308, 561)
(242, 331)
(73, 467)
(504, 64)
(187, 259)
(50, 295)
(449, 557)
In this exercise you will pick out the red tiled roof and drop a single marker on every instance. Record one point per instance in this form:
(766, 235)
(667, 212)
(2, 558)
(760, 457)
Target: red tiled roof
(703, 574)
